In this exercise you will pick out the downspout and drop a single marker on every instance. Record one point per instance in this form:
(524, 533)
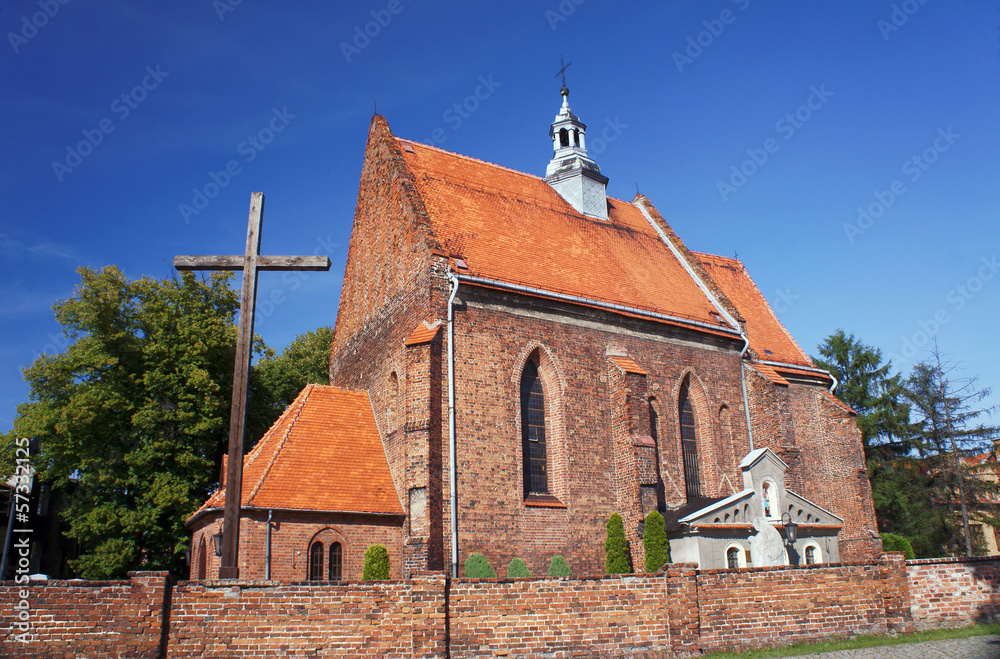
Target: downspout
(267, 556)
(743, 385)
(451, 423)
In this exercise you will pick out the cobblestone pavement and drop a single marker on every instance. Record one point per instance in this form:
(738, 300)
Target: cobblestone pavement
(977, 647)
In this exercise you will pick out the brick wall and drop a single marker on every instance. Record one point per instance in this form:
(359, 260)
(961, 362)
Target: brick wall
(953, 592)
(94, 619)
(355, 619)
(642, 615)
(677, 612)
(757, 607)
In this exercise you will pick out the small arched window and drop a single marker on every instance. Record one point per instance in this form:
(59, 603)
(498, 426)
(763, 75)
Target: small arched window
(533, 431)
(733, 558)
(202, 559)
(336, 561)
(689, 444)
(812, 554)
(316, 562)
(563, 137)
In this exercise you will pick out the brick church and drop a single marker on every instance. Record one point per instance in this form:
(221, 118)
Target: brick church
(517, 357)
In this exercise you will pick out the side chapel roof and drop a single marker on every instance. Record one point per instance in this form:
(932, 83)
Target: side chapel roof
(323, 453)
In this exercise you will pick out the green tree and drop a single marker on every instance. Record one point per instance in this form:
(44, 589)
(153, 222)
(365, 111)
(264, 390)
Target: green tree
(893, 542)
(477, 567)
(376, 563)
(865, 384)
(517, 568)
(654, 542)
(135, 413)
(947, 430)
(616, 560)
(559, 568)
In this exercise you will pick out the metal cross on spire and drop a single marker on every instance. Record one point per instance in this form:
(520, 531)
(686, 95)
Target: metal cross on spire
(562, 71)
(250, 262)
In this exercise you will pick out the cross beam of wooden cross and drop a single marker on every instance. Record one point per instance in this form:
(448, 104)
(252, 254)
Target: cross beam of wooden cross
(250, 263)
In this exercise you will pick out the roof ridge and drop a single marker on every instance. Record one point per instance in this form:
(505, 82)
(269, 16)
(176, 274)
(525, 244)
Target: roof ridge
(301, 399)
(460, 155)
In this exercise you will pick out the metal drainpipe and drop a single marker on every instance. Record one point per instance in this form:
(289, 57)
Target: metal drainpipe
(451, 424)
(743, 385)
(267, 559)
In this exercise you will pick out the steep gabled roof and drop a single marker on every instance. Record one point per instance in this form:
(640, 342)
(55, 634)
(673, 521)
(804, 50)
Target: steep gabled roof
(512, 227)
(768, 337)
(323, 453)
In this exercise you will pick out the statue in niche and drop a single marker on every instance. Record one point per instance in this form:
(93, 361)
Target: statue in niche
(766, 547)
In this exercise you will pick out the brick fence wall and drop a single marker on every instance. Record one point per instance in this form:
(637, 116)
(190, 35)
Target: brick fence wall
(953, 592)
(679, 612)
(93, 619)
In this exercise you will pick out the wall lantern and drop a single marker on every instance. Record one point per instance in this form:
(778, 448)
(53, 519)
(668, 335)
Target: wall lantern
(217, 540)
(791, 528)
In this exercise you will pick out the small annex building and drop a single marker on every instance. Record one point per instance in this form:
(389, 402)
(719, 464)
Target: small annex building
(516, 358)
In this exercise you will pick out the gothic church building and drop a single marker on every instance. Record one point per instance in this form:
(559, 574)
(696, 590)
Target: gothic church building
(516, 358)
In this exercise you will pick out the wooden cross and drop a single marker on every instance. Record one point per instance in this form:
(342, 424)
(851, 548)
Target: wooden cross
(250, 263)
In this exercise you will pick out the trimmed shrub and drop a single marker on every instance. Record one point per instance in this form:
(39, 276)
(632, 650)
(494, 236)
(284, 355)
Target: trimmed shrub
(616, 559)
(893, 542)
(559, 568)
(477, 567)
(517, 568)
(376, 563)
(654, 542)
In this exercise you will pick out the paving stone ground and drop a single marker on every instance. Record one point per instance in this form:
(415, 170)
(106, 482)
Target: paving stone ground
(977, 647)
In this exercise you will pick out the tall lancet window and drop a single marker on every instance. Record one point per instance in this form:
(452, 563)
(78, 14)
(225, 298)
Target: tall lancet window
(689, 445)
(536, 479)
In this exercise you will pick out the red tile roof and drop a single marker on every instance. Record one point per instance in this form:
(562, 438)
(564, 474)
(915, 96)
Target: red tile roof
(627, 364)
(514, 228)
(769, 373)
(323, 453)
(424, 333)
(768, 337)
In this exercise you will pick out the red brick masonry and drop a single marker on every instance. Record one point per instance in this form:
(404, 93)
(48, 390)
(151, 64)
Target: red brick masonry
(678, 612)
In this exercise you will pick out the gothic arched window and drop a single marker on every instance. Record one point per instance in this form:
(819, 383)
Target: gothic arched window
(533, 431)
(336, 561)
(689, 444)
(316, 562)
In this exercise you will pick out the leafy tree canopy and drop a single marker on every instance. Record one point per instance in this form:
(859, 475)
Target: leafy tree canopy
(134, 415)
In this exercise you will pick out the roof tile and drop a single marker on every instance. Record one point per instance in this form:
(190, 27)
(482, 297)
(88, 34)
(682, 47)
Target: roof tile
(323, 453)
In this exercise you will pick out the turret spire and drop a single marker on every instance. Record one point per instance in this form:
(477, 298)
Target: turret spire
(571, 172)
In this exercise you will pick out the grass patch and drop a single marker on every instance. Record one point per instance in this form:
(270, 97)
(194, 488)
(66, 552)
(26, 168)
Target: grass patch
(861, 642)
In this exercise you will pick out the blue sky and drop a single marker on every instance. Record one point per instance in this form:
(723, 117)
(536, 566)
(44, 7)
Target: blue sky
(848, 152)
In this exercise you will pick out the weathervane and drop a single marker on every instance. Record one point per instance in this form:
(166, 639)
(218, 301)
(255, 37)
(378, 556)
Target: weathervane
(562, 71)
